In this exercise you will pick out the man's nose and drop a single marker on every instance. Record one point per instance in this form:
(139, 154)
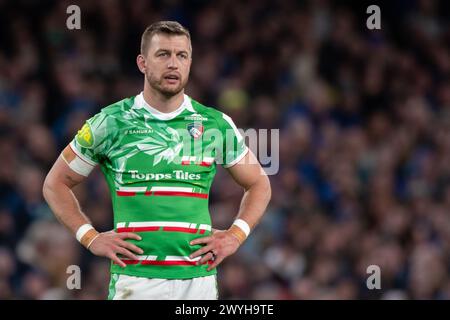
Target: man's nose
(173, 62)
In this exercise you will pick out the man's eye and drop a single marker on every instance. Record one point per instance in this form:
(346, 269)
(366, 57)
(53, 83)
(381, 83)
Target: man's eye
(183, 56)
(162, 54)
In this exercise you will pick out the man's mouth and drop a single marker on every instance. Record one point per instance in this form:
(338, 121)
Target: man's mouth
(172, 77)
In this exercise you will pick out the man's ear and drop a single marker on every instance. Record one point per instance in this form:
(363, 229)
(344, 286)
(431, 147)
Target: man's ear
(140, 61)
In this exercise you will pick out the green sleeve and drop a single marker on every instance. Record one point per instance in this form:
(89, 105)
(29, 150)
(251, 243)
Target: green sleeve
(234, 147)
(93, 140)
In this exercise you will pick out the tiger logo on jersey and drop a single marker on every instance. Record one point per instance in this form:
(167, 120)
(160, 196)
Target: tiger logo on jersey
(195, 129)
(85, 137)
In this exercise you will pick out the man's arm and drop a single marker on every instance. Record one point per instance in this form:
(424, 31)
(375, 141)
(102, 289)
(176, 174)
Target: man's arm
(57, 191)
(249, 174)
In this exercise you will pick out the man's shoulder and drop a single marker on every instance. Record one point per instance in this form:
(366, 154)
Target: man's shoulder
(208, 112)
(109, 118)
(119, 107)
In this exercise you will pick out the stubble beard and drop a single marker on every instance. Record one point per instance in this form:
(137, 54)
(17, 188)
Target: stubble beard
(157, 85)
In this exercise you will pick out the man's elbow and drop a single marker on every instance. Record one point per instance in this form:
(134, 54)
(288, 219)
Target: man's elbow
(49, 186)
(269, 189)
(266, 187)
(46, 188)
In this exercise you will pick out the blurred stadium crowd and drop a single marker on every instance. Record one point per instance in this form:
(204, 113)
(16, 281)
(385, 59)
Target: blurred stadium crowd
(364, 119)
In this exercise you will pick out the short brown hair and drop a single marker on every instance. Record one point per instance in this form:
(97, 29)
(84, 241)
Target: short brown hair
(166, 27)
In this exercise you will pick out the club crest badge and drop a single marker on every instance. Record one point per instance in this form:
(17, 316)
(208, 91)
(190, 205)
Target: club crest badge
(195, 129)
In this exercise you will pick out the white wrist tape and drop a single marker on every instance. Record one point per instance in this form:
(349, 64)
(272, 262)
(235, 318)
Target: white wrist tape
(83, 230)
(243, 226)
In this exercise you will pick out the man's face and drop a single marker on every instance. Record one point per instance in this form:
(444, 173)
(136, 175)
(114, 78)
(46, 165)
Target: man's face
(167, 63)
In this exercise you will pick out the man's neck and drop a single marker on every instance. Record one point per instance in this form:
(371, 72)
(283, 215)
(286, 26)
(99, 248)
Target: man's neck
(161, 102)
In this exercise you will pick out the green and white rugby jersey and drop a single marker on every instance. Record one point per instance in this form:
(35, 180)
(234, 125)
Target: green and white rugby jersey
(159, 168)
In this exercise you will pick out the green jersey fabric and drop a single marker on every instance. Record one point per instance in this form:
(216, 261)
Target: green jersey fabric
(159, 168)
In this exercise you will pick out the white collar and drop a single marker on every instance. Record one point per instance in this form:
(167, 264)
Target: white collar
(141, 103)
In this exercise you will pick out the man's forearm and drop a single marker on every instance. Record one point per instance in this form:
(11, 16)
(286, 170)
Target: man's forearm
(224, 243)
(64, 205)
(255, 201)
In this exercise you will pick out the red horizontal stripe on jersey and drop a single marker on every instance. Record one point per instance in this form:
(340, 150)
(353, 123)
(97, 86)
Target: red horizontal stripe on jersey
(165, 193)
(137, 229)
(162, 263)
(156, 228)
(180, 229)
(168, 263)
(205, 164)
(185, 163)
(126, 193)
(127, 262)
(181, 194)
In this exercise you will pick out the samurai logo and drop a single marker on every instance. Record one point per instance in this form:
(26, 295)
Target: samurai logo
(195, 129)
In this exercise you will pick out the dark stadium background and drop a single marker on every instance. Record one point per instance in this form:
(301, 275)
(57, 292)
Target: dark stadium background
(364, 119)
